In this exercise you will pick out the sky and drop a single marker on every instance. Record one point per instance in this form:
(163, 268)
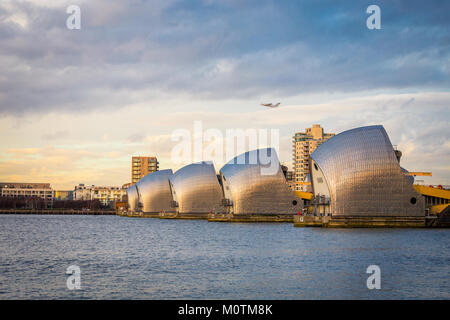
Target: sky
(75, 105)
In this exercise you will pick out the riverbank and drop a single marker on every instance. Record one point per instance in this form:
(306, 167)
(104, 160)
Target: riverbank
(58, 211)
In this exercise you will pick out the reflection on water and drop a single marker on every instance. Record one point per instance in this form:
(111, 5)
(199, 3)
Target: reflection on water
(123, 258)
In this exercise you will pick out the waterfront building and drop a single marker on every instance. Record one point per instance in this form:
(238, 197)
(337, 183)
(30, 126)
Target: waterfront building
(63, 195)
(304, 143)
(126, 185)
(106, 195)
(82, 192)
(141, 166)
(26, 189)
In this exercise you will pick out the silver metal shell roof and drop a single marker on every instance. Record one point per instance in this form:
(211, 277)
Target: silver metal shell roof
(154, 192)
(256, 185)
(363, 175)
(196, 189)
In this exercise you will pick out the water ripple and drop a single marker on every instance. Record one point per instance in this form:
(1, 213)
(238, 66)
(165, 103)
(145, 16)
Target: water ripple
(123, 258)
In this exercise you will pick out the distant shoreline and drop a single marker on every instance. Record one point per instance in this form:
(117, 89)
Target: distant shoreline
(57, 211)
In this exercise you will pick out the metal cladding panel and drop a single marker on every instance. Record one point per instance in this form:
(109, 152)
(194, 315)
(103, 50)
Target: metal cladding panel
(364, 176)
(197, 189)
(256, 189)
(133, 198)
(154, 192)
(139, 198)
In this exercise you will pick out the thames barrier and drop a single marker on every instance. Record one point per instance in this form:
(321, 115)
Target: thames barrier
(356, 181)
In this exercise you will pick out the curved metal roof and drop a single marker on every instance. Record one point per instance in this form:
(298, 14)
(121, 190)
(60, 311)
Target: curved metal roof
(256, 185)
(363, 175)
(133, 198)
(196, 189)
(154, 192)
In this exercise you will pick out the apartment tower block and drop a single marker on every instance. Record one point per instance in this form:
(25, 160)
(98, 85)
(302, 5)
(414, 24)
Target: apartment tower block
(304, 143)
(141, 166)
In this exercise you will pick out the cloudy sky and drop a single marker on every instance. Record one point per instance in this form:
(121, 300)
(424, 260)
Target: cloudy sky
(75, 105)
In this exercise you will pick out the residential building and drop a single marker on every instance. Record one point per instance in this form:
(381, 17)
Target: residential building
(26, 189)
(63, 195)
(126, 185)
(141, 166)
(82, 192)
(106, 195)
(304, 143)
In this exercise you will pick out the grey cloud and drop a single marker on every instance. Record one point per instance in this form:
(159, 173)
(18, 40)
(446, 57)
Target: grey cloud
(135, 51)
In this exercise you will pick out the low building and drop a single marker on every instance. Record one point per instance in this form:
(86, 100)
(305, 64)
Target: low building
(63, 195)
(106, 195)
(82, 192)
(26, 189)
(126, 185)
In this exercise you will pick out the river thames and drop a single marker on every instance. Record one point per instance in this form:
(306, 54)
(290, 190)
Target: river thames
(128, 258)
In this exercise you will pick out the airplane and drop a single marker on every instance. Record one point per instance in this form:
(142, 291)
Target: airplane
(270, 105)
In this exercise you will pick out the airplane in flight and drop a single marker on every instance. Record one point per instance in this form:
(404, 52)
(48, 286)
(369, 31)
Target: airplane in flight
(270, 105)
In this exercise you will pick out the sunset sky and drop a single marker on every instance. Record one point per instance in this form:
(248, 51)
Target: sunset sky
(75, 105)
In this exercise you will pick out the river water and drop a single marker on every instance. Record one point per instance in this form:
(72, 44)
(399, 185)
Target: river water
(129, 258)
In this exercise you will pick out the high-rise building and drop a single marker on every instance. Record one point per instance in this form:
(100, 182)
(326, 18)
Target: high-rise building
(304, 143)
(141, 166)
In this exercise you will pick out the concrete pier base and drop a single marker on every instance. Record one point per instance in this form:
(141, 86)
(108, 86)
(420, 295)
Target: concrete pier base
(376, 222)
(442, 220)
(436, 221)
(139, 214)
(150, 215)
(359, 222)
(228, 217)
(310, 221)
(185, 216)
